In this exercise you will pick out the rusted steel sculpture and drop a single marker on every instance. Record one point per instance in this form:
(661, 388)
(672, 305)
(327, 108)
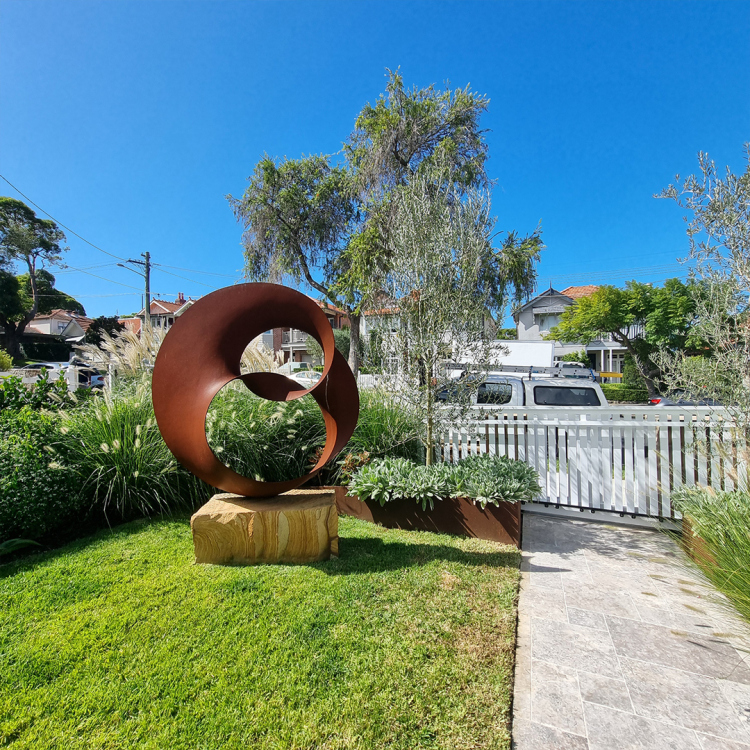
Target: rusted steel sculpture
(202, 354)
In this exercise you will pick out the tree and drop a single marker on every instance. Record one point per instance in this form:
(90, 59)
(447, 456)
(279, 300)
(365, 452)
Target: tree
(103, 324)
(718, 229)
(438, 277)
(26, 239)
(341, 338)
(50, 298)
(328, 225)
(641, 318)
(297, 218)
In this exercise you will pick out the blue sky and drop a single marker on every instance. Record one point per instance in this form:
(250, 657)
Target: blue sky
(129, 122)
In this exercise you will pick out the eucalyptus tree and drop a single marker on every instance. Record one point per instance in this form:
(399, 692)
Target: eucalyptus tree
(33, 242)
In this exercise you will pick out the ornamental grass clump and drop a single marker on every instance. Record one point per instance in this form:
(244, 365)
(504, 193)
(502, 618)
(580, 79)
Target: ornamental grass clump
(722, 521)
(482, 479)
(121, 462)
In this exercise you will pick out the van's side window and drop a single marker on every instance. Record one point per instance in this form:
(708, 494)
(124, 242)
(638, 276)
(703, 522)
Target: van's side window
(494, 393)
(549, 395)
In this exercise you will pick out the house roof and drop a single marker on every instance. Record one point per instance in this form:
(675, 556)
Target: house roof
(163, 307)
(576, 292)
(66, 315)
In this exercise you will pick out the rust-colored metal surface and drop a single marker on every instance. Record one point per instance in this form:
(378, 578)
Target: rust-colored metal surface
(497, 523)
(201, 354)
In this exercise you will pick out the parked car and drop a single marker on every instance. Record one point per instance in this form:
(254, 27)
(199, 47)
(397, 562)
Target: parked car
(90, 377)
(306, 378)
(505, 390)
(678, 398)
(53, 367)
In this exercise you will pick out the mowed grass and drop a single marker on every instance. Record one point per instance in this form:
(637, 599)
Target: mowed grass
(120, 641)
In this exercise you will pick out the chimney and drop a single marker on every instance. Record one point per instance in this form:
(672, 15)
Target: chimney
(180, 298)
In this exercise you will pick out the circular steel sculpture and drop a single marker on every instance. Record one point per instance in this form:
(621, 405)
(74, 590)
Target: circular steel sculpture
(202, 353)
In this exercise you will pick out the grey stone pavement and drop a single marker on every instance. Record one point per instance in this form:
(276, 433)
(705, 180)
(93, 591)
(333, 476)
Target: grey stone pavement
(621, 645)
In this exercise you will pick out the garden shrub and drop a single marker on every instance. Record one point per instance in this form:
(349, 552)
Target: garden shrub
(624, 394)
(122, 464)
(275, 441)
(722, 521)
(6, 361)
(38, 490)
(484, 479)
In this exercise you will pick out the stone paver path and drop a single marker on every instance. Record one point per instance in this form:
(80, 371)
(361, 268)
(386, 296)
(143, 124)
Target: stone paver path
(620, 645)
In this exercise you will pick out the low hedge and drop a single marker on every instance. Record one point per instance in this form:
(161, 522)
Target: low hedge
(483, 479)
(618, 392)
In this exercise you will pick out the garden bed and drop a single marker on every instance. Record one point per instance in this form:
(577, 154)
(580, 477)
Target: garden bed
(453, 515)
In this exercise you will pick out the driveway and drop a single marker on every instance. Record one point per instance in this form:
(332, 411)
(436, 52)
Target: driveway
(622, 645)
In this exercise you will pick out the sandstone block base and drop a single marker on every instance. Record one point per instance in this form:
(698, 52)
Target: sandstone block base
(299, 526)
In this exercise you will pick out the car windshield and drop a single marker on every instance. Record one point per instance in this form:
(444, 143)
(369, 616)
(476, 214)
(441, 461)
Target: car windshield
(549, 395)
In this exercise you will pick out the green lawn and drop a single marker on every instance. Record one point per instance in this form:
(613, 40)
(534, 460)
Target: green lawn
(120, 641)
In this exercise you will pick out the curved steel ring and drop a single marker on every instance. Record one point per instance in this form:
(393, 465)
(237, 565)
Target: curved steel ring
(202, 353)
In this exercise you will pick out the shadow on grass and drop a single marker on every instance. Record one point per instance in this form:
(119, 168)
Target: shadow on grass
(357, 555)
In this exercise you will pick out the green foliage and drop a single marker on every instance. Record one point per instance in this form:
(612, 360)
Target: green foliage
(419, 129)
(722, 521)
(579, 356)
(121, 463)
(6, 361)
(404, 642)
(276, 441)
(341, 338)
(665, 315)
(45, 393)
(631, 376)
(624, 394)
(483, 479)
(102, 324)
(49, 298)
(506, 334)
(38, 491)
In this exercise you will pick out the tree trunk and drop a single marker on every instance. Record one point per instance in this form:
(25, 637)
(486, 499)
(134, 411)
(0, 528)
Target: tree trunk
(430, 420)
(12, 340)
(354, 320)
(645, 374)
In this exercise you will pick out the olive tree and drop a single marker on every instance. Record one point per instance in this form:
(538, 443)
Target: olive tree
(718, 229)
(441, 283)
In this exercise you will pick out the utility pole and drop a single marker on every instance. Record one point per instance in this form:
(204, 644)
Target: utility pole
(147, 277)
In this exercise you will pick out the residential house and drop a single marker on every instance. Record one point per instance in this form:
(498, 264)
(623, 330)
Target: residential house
(535, 319)
(292, 343)
(163, 314)
(66, 325)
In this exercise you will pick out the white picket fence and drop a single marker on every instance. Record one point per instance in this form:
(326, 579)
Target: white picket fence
(626, 459)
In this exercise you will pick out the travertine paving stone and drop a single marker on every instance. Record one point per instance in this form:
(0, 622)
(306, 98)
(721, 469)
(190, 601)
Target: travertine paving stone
(622, 645)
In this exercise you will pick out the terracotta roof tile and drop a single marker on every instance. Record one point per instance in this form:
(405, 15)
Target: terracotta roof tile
(576, 292)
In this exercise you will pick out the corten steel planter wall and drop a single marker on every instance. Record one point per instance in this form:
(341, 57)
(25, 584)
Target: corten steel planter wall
(695, 546)
(497, 523)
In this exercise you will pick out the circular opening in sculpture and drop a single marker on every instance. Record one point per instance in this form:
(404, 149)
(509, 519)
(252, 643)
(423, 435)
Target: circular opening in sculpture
(269, 441)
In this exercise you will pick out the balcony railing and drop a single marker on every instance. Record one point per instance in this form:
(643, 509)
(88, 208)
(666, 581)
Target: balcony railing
(293, 337)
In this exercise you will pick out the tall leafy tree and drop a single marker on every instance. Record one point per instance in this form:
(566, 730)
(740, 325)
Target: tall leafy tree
(27, 240)
(50, 298)
(101, 325)
(297, 217)
(641, 318)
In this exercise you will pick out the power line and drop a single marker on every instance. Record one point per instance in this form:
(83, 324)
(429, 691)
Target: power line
(194, 270)
(192, 281)
(96, 247)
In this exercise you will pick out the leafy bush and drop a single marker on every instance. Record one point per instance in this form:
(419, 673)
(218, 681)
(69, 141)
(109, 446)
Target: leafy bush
(722, 521)
(619, 392)
(38, 492)
(46, 393)
(119, 458)
(274, 441)
(6, 361)
(483, 479)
